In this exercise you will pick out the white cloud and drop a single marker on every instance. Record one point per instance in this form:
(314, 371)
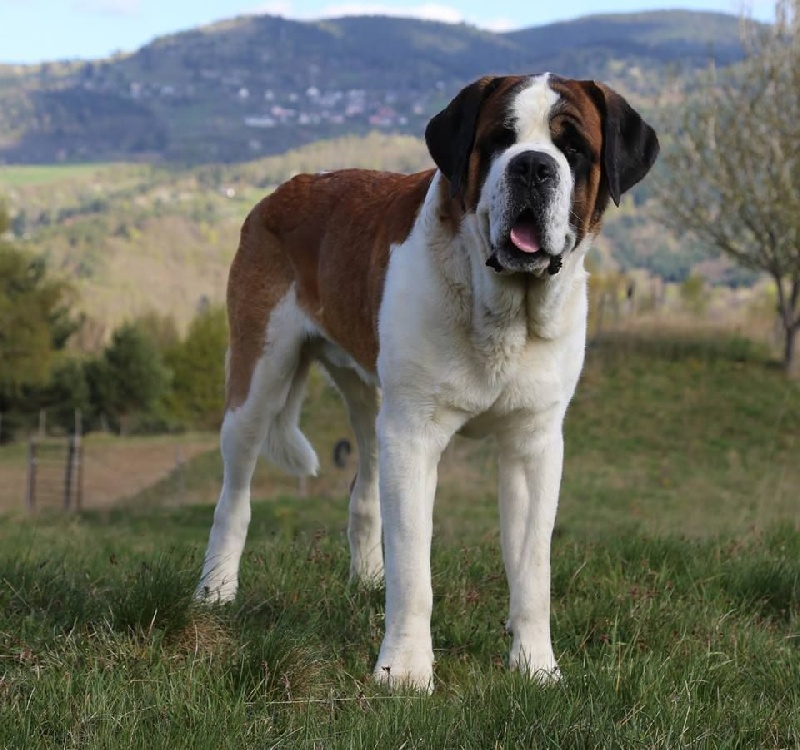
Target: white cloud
(111, 7)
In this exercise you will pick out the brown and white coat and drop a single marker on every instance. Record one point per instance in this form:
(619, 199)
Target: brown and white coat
(449, 301)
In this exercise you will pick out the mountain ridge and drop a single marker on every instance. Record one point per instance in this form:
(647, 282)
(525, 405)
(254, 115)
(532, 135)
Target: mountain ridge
(258, 85)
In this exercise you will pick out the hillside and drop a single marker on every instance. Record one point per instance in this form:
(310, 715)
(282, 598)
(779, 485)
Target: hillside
(136, 238)
(258, 85)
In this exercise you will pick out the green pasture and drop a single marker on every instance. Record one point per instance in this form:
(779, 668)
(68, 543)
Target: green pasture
(676, 592)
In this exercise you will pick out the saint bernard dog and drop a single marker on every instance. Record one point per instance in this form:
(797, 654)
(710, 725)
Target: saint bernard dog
(449, 301)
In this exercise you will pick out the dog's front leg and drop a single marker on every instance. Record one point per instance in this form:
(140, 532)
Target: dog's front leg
(530, 476)
(409, 452)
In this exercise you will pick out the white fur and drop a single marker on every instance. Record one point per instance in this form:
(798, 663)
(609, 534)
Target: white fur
(362, 398)
(461, 349)
(482, 354)
(266, 422)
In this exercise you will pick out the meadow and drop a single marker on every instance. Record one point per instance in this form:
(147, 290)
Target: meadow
(676, 590)
(32, 175)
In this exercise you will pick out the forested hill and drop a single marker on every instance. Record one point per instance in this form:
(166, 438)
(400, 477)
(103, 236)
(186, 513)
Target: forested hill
(258, 85)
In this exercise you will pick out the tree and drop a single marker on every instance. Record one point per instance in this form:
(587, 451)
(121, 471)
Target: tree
(161, 329)
(35, 322)
(198, 366)
(67, 391)
(129, 378)
(731, 168)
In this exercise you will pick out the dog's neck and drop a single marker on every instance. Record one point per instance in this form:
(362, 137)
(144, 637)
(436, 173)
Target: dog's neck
(490, 303)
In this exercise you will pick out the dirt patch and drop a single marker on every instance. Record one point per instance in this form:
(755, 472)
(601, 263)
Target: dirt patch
(113, 472)
(113, 469)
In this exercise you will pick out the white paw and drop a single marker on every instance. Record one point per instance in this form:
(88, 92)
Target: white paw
(538, 664)
(215, 590)
(367, 572)
(405, 668)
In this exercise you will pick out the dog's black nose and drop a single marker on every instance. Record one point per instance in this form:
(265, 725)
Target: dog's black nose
(533, 167)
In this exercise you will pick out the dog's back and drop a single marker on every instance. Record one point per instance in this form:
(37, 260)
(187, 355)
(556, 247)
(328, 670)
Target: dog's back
(281, 246)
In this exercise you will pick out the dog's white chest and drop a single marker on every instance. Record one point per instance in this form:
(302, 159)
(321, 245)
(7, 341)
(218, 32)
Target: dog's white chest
(475, 370)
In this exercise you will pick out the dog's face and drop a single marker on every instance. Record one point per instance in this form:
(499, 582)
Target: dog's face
(533, 161)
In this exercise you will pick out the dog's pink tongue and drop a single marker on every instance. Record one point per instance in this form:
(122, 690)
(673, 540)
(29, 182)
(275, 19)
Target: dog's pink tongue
(525, 237)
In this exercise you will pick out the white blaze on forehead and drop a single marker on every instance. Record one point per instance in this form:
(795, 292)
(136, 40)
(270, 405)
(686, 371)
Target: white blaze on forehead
(531, 110)
(498, 208)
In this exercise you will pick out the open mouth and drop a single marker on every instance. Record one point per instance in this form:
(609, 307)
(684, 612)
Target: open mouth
(522, 251)
(525, 235)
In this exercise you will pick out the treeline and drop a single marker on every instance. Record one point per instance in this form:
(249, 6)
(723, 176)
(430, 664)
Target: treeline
(145, 378)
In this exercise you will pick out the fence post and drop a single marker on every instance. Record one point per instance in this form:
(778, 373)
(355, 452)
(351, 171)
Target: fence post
(68, 473)
(180, 469)
(598, 326)
(78, 457)
(78, 475)
(30, 489)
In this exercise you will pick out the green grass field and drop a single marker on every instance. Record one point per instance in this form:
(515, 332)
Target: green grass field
(20, 175)
(676, 592)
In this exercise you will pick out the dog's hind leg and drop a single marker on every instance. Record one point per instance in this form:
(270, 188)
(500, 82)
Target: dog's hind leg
(364, 524)
(265, 416)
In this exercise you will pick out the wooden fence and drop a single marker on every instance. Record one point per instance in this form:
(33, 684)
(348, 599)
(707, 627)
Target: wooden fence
(55, 474)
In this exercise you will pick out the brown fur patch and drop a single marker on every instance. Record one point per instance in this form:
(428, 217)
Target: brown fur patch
(331, 234)
(258, 279)
(590, 196)
(492, 120)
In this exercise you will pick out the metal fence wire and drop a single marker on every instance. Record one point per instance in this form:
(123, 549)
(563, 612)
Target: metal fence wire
(55, 474)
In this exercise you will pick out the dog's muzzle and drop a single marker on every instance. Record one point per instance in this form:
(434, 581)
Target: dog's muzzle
(532, 181)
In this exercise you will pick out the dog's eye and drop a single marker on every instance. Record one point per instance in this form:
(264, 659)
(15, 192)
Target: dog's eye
(573, 145)
(498, 140)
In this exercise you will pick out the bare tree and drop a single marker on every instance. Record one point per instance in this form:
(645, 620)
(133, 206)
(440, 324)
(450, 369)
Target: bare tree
(731, 168)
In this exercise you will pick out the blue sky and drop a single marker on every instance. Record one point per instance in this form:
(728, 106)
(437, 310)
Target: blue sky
(36, 30)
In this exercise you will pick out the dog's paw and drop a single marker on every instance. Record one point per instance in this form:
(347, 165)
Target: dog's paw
(368, 574)
(405, 669)
(211, 591)
(539, 665)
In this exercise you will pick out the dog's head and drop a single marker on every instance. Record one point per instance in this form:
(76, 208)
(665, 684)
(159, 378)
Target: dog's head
(535, 159)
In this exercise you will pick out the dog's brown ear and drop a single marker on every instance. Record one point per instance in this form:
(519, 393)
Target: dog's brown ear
(630, 145)
(450, 135)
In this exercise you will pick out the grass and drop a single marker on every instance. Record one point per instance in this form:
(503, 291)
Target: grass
(663, 642)
(23, 175)
(676, 593)
(665, 435)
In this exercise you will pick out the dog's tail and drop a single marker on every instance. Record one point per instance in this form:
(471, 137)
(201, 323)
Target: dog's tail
(285, 445)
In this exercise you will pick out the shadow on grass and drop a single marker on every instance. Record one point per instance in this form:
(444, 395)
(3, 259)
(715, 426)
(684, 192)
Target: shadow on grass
(765, 579)
(284, 516)
(54, 594)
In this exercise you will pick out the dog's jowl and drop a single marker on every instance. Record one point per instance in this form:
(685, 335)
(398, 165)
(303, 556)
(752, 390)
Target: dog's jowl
(449, 301)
